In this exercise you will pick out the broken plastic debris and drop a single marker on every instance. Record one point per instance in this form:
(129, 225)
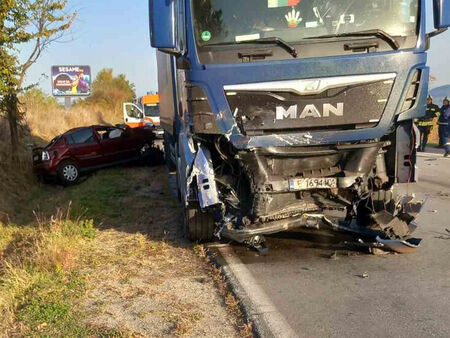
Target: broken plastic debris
(400, 246)
(378, 251)
(334, 256)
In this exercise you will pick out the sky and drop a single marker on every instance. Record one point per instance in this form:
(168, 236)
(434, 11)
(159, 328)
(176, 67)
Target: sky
(115, 34)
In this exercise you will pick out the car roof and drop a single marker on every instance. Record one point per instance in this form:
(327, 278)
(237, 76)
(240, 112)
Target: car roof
(95, 126)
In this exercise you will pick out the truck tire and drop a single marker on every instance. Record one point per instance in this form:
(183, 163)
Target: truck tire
(68, 173)
(198, 225)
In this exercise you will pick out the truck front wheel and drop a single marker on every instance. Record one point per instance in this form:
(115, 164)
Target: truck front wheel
(198, 225)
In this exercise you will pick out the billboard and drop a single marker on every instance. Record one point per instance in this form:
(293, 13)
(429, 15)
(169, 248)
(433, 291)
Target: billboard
(71, 80)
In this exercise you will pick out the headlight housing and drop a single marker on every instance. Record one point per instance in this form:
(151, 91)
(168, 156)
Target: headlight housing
(45, 156)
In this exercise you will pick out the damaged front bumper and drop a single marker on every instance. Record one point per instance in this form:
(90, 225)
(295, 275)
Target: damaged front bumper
(394, 235)
(250, 195)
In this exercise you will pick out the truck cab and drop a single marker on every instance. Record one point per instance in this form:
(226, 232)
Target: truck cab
(284, 114)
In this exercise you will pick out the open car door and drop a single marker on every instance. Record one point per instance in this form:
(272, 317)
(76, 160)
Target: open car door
(133, 116)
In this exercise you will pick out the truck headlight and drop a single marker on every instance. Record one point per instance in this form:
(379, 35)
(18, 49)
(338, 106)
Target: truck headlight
(45, 156)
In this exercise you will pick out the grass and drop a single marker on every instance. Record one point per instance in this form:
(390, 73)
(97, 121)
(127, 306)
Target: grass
(44, 249)
(39, 277)
(68, 255)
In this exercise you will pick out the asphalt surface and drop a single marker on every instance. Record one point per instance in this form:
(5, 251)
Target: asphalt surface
(318, 291)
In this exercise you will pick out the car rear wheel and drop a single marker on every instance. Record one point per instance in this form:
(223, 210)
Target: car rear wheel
(198, 225)
(68, 173)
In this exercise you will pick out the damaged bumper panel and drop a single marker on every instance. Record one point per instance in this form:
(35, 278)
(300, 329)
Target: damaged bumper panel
(206, 184)
(343, 188)
(245, 234)
(390, 233)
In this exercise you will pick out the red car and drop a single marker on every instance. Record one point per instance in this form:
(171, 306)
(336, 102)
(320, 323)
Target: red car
(83, 149)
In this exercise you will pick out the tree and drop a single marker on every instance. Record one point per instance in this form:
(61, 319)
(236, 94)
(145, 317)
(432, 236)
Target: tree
(110, 92)
(37, 22)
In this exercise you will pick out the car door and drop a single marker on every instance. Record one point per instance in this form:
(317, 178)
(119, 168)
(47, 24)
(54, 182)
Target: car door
(117, 145)
(133, 116)
(85, 147)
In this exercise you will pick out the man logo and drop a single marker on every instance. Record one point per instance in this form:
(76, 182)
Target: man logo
(309, 110)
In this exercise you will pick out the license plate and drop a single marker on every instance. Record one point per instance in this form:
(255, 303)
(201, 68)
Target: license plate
(312, 183)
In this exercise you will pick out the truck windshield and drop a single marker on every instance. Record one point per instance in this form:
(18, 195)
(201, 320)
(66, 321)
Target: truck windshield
(232, 21)
(151, 110)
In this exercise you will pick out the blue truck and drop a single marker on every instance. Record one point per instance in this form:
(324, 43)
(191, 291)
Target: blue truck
(286, 114)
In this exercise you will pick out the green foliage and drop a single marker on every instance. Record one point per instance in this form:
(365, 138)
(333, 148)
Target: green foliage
(25, 21)
(39, 23)
(87, 228)
(109, 91)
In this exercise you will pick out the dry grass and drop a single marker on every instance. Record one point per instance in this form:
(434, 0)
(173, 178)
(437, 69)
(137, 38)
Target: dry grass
(137, 277)
(15, 177)
(38, 273)
(46, 118)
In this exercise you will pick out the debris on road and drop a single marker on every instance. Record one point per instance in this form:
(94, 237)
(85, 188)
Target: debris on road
(334, 256)
(401, 246)
(378, 251)
(445, 235)
(307, 268)
(365, 274)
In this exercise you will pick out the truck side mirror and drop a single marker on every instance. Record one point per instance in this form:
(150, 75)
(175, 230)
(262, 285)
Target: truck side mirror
(164, 25)
(441, 9)
(441, 12)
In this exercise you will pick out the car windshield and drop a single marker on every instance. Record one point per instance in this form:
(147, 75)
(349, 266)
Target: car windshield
(233, 21)
(151, 110)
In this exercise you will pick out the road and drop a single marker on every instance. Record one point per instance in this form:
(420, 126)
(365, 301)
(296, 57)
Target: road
(300, 290)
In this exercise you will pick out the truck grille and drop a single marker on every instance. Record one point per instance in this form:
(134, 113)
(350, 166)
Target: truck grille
(349, 106)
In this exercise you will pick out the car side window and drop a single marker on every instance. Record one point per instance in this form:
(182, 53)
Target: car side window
(115, 133)
(83, 136)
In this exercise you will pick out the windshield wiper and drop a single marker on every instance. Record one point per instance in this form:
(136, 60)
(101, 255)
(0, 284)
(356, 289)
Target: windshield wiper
(371, 32)
(274, 40)
(269, 40)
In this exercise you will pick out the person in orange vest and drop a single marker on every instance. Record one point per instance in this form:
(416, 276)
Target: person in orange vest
(425, 123)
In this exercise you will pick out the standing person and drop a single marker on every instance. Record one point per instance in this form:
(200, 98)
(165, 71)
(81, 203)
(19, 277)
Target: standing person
(425, 123)
(443, 122)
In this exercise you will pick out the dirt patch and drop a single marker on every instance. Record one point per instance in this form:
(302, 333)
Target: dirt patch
(153, 289)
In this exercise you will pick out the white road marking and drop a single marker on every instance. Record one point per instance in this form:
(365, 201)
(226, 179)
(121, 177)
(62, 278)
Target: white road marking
(261, 309)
